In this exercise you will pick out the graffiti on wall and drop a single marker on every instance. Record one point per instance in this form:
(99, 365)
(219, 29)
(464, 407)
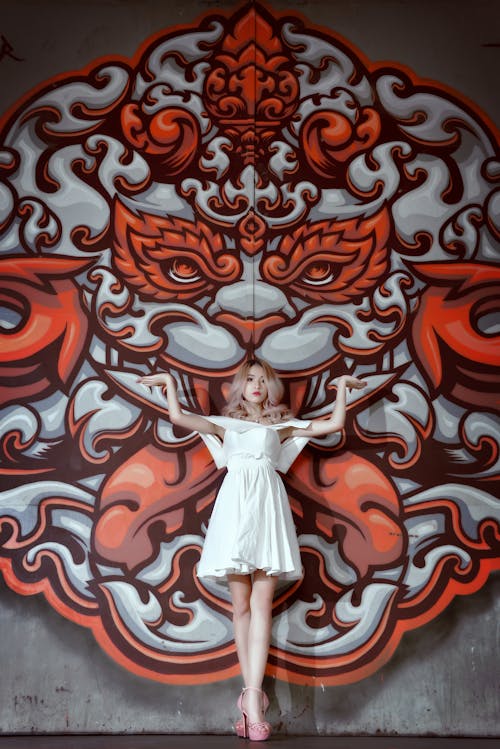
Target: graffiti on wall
(248, 184)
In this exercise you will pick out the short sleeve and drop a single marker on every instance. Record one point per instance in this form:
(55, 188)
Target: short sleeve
(293, 446)
(213, 443)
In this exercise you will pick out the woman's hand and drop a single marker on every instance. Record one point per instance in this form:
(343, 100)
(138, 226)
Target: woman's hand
(352, 382)
(191, 422)
(336, 422)
(157, 379)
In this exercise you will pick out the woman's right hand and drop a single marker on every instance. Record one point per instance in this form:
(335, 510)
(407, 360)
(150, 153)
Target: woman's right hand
(157, 379)
(352, 382)
(191, 422)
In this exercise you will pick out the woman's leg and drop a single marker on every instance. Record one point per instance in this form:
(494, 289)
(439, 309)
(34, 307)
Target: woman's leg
(252, 616)
(240, 587)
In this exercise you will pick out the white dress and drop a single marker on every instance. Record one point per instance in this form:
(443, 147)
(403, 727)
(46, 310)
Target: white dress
(251, 526)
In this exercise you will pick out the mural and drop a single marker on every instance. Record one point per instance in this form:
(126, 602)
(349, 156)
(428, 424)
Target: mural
(248, 184)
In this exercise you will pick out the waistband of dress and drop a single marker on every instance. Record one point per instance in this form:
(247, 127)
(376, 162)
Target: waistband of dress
(248, 460)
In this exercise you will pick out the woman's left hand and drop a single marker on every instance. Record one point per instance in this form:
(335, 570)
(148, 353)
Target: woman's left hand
(353, 382)
(154, 379)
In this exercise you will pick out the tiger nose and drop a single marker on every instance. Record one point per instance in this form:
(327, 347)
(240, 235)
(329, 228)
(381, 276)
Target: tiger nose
(256, 301)
(250, 310)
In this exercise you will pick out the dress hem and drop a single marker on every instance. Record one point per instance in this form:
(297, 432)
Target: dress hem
(220, 575)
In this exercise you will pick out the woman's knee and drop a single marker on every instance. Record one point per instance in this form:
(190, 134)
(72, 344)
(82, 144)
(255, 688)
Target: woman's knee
(240, 587)
(240, 599)
(241, 607)
(262, 595)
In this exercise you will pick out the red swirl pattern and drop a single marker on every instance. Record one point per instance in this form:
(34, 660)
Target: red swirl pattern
(50, 318)
(169, 138)
(330, 139)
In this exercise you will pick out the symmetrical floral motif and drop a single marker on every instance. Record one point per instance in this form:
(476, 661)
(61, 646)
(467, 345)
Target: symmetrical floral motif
(248, 185)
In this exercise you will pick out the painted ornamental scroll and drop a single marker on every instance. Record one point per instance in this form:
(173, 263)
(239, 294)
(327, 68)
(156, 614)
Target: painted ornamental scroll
(248, 184)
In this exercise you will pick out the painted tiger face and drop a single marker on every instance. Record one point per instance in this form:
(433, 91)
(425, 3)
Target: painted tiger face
(245, 187)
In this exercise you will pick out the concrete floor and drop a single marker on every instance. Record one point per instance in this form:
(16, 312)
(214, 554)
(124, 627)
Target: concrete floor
(232, 742)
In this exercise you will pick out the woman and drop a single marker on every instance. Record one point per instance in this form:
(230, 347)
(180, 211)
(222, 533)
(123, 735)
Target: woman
(256, 438)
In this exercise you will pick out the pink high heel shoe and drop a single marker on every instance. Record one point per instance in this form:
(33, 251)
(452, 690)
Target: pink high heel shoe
(259, 731)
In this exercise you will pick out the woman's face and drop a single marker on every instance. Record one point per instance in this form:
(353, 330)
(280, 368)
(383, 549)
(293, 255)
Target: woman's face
(255, 389)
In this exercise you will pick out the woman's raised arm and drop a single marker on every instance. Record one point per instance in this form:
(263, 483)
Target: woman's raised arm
(192, 422)
(336, 422)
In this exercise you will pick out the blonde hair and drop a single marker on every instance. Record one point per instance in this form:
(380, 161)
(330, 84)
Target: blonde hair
(273, 410)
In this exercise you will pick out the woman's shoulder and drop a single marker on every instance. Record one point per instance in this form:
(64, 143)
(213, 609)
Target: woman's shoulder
(232, 423)
(291, 422)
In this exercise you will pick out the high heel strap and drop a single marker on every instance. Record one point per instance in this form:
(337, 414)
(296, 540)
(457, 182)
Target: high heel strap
(265, 699)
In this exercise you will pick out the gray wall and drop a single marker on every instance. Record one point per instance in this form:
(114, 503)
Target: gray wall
(443, 677)
(442, 680)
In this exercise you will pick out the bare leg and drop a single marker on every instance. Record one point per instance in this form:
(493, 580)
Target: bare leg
(252, 617)
(240, 587)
